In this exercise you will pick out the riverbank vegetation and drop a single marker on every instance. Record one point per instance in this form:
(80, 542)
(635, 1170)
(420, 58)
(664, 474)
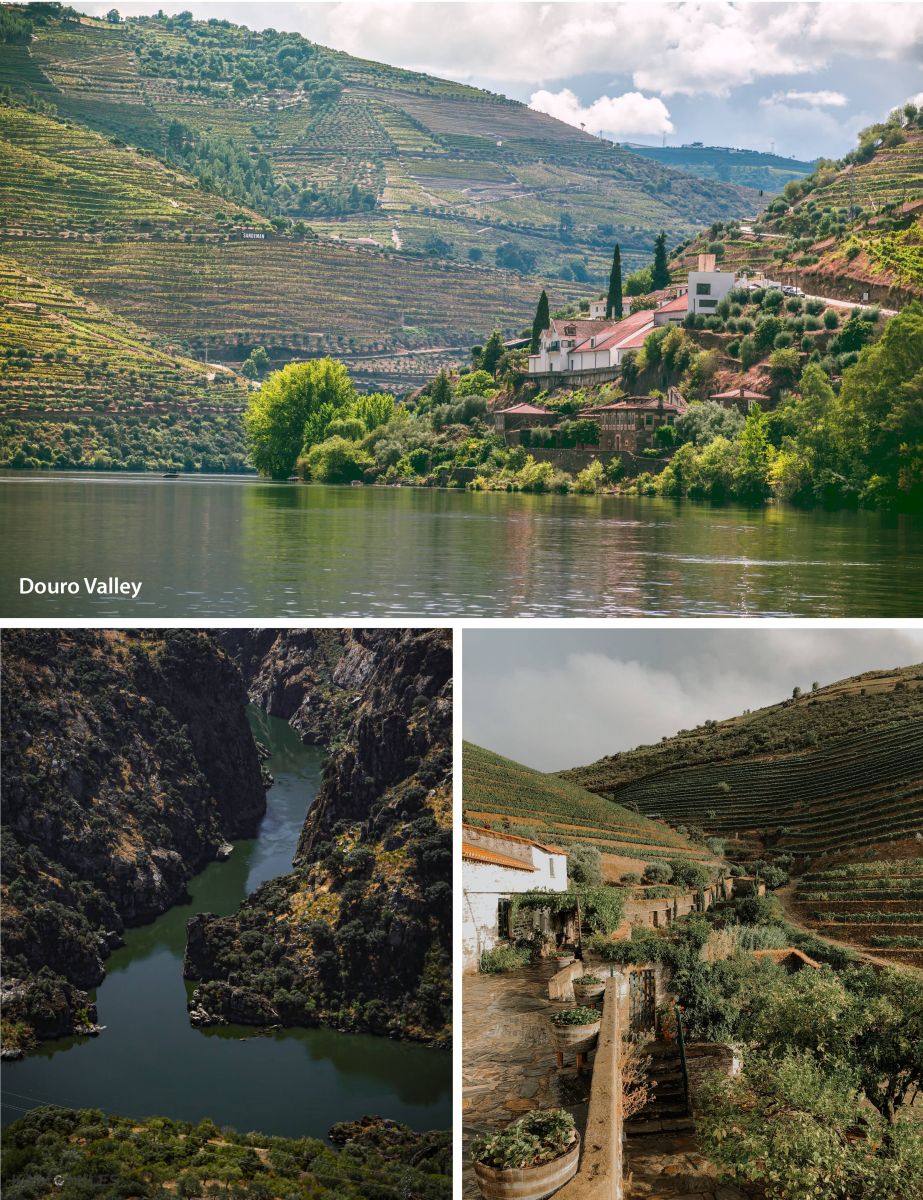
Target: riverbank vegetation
(89, 1154)
(833, 439)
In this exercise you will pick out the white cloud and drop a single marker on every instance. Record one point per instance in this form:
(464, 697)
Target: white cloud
(811, 99)
(619, 116)
(669, 49)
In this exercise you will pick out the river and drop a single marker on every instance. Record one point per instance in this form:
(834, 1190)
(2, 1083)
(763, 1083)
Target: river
(151, 1061)
(237, 547)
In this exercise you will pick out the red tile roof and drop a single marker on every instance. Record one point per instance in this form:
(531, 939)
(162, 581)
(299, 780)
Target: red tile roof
(642, 403)
(513, 837)
(524, 408)
(479, 855)
(679, 304)
(583, 327)
(615, 335)
(739, 394)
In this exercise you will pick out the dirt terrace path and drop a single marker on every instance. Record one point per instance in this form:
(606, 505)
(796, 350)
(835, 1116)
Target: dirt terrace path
(786, 897)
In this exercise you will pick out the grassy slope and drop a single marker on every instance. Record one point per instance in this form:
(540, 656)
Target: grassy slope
(503, 794)
(889, 264)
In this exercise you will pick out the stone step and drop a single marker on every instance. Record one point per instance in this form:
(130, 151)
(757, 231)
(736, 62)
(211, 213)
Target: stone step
(656, 1112)
(642, 1127)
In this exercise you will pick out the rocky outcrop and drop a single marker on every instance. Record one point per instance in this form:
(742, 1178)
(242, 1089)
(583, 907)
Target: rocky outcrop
(358, 935)
(128, 764)
(310, 678)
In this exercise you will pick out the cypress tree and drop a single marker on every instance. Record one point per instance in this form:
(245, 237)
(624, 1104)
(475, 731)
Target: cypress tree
(614, 295)
(661, 272)
(541, 322)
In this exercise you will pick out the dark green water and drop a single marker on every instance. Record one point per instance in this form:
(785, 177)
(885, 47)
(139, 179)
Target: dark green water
(225, 547)
(151, 1061)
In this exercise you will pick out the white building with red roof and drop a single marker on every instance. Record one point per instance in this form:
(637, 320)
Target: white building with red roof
(495, 867)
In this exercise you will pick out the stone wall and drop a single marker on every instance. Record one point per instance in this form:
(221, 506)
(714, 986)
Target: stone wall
(599, 1176)
(575, 460)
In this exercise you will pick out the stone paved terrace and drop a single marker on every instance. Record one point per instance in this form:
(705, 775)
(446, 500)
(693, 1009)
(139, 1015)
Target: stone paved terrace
(509, 1068)
(508, 1058)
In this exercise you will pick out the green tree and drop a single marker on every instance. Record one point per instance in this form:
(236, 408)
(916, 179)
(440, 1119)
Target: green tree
(440, 389)
(660, 272)
(882, 401)
(754, 458)
(540, 322)
(278, 413)
(614, 294)
(493, 351)
(335, 460)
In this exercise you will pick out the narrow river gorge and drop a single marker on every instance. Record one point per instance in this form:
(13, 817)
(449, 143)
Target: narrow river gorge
(151, 1061)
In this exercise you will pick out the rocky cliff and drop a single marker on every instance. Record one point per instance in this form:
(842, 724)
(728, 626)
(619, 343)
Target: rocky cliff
(127, 763)
(358, 935)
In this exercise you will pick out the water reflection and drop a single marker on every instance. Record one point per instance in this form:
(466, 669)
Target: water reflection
(207, 547)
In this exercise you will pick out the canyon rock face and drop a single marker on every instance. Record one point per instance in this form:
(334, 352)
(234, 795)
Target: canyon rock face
(358, 935)
(127, 763)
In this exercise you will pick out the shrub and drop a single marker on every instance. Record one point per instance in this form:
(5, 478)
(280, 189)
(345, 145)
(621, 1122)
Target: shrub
(657, 872)
(504, 958)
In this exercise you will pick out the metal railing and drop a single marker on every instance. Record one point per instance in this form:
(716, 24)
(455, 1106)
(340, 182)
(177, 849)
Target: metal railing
(681, 1043)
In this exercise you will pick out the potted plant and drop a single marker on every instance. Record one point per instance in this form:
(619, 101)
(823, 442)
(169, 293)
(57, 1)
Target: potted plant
(530, 1159)
(575, 1030)
(666, 1022)
(564, 957)
(589, 988)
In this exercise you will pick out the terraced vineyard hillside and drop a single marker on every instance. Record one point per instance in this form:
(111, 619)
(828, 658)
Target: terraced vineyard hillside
(501, 794)
(833, 778)
(83, 387)
(362, 149)
(849, 230)
(876, 904)
(833, 768)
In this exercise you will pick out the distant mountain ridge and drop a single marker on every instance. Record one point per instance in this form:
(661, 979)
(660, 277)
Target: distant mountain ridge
(760, 169)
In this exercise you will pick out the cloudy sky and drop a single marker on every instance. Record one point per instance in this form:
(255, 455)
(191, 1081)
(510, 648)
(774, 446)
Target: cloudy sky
(560, 698)
(803, 77)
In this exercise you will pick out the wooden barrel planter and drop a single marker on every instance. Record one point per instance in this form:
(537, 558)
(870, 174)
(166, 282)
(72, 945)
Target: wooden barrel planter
(528, 1183)
(576, 1039)
(587, 993)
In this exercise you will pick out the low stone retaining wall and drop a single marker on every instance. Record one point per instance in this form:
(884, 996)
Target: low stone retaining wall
(561, 985)
(599, 1176)
(575, 460)
(589, 377)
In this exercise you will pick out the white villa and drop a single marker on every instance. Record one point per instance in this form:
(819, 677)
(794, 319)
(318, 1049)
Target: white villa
(708, 287)
(495, 866)
(594, 343)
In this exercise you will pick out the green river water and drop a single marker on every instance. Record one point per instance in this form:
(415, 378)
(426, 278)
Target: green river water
(237, 547)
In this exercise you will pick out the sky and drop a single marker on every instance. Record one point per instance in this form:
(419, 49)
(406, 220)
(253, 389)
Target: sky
(802, 78)
(556, 698)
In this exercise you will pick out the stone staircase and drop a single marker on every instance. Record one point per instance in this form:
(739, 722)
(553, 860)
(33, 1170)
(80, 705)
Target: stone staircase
(667, 1110)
